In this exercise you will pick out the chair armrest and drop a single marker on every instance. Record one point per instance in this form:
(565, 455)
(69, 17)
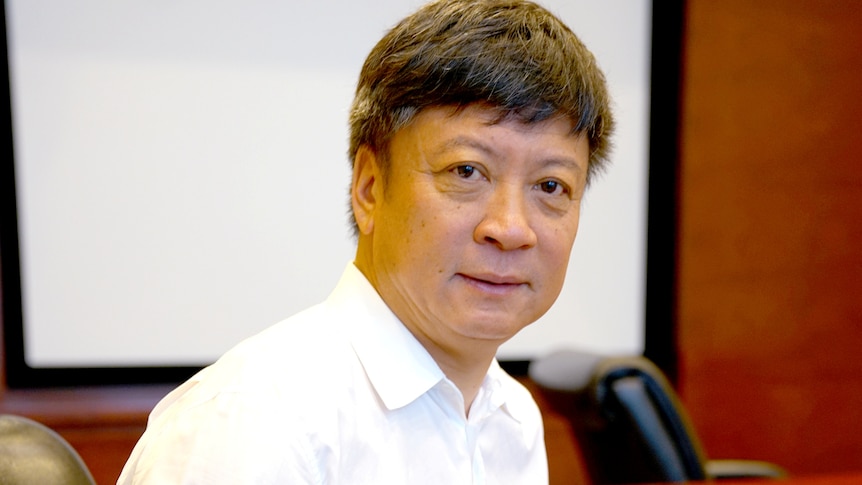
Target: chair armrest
(726, 469)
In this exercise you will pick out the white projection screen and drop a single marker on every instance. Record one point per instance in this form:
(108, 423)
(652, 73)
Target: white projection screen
(181, 174)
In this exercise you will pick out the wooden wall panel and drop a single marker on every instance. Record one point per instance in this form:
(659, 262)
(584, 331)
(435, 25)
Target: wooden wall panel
(565, 460)
(770, 266)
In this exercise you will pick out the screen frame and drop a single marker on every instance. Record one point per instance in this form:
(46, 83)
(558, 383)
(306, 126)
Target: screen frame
(660, 344)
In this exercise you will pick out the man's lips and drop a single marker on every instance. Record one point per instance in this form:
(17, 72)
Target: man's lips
(493, 281)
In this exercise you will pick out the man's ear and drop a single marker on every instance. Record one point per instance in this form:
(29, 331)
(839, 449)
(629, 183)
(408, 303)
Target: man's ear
(365, 188)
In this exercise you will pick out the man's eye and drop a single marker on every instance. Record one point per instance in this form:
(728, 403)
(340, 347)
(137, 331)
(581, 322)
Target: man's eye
(465, 171)
(552, 187)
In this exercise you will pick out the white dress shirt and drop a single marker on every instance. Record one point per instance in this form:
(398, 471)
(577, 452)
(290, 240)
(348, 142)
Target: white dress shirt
(341, 393)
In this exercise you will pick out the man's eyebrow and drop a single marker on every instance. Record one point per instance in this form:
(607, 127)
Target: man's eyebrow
(565, 162)
(464, 141)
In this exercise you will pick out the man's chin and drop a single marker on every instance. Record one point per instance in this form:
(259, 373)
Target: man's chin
(492, 331)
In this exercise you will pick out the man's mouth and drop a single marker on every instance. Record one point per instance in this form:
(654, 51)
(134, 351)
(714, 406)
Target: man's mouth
(493, 282)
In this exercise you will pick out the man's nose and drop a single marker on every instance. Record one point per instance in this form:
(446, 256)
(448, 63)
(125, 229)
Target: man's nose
(506, 221)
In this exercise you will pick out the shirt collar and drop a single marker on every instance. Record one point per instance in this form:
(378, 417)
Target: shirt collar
(502, 389)
(398, 366)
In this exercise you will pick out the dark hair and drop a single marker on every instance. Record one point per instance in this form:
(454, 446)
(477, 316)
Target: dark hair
(510, 54)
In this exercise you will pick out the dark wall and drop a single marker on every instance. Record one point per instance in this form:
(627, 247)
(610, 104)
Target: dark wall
(770, 266)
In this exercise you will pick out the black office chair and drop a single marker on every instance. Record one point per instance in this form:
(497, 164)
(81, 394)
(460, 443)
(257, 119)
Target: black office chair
(32, 453)
(629, 423)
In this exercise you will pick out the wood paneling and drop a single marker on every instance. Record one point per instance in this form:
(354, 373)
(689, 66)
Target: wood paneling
(770, 267)
(565, 462)
(102, 424)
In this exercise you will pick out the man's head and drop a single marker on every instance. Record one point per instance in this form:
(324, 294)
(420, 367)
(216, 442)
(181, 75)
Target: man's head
(510, 54)
(476, 126)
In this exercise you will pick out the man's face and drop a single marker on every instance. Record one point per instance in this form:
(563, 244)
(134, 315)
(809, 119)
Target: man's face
(468, 239)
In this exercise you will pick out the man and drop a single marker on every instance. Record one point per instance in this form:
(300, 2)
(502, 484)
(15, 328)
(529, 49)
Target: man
(475, 129)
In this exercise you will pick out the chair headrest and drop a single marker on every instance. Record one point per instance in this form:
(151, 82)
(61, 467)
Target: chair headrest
(565, 370)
